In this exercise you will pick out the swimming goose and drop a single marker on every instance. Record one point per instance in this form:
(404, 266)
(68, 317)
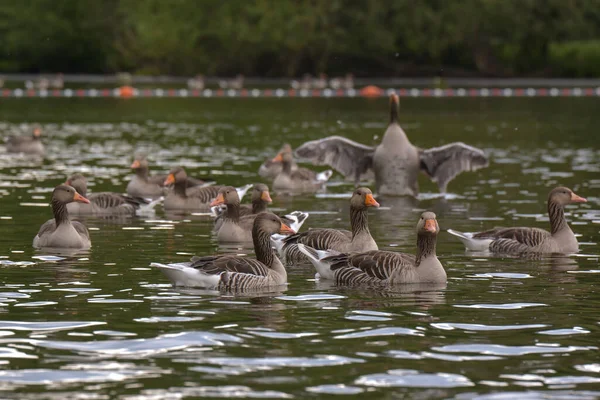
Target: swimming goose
(300, 180)
(150, 186)
(235, 272)
(521, 240)
(260, 198)
(359, 239)
(26, 144)
(396, 161)
(271, 168)
(103, 203)
(196, 198)
(386, 267)
(60, 231)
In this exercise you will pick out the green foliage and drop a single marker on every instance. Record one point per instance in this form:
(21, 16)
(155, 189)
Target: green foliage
(291, 37)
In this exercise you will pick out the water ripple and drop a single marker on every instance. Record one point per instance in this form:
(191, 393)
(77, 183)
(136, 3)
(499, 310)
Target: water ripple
(412, 378)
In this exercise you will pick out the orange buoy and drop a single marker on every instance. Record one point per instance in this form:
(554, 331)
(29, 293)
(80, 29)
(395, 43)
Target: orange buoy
(126, 92)
(371, 91)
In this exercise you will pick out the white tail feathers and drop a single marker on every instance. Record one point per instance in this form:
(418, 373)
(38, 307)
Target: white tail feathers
(324, 176)
(316, 256)
(148, 209)
(183, 275)
(297, 218)
(242, 190)
(471, 243)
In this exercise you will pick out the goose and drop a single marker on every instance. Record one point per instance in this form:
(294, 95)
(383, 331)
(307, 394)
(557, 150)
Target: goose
(387, 267)
(359, 239)
(103, 203)
(523, 240)
(300, 180)
(396, 161)
(60, 232)
(271, 168)
(232, 272)
(26, 144)
(196, 198)
(260, 198)
(150, 186)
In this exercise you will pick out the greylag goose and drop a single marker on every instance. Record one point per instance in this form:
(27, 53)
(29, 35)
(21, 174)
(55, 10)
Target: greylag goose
(521, 240)
(150, 186)
(260, 198)
(235, 272)
(196, 198)
(396, 161)
(60, 232)
(359, 239)
(300, 180)
(103, 203)
(271, 168)
(26, 144)
(386, 267)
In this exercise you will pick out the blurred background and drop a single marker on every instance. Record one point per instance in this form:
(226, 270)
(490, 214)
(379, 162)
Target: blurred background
(263, 38)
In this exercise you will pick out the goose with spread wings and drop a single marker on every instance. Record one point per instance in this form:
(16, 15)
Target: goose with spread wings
(396, 162)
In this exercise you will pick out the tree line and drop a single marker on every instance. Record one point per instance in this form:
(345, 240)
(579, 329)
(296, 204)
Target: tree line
(274, 38)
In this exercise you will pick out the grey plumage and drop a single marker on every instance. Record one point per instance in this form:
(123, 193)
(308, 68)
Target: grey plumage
(396, 161)
(385, 267)
(523, 240)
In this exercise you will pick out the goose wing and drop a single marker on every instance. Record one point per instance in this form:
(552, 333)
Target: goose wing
(214, 265)
(47, 227)
(303, 174)
(320, 238)
(378, 264)
(444, 163)
(81, 229)
(511, 239)
(349, 158)
(205, 194)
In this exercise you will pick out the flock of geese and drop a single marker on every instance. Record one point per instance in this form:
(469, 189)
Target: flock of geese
(348, 257)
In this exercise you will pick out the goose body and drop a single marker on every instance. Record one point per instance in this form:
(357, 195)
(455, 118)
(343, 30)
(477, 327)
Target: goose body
(192, 199)
(26, 144)
(299, 180)
(103, 203)
(357, 240)
(384, 267)
(61, 232)
(232, 272)
(396, 162)
(523, 240)
(144, 185)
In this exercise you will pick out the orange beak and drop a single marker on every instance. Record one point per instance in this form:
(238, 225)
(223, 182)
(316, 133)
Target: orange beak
(265, 196)
(577, 199)
(278, 158)
(135, 164)
(219, 200)
(370, 201)
(170, 180)
(394, 98)
(284, 230)
(80, 198)
(37, 132)
(430, 225)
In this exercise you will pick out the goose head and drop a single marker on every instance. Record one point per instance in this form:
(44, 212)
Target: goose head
(271, 224)
(67, 194)
(227, 195)
(563, 196)
(78, 182)
(261, 193)
(362, 198)
(176, 174)
(428, 224)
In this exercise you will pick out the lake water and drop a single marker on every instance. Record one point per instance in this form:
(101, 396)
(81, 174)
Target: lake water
(103, 325)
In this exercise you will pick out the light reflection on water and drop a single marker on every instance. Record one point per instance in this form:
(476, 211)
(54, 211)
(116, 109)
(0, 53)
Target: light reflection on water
(102, 324)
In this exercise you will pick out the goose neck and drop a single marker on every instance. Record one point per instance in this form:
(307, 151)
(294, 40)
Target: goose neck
(556, 212)
(179, 188)
(359, 221)
(59, 209)
(262, 246)
(426, 244)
